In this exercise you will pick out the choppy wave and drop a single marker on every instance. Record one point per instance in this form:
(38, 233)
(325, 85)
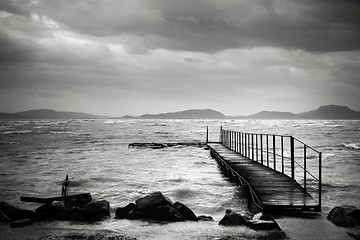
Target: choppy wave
(9, 143)
(355, 146)
(62, 132)
(19, 132)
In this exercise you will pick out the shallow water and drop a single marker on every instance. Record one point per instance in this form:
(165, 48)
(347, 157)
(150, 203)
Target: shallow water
(36, 156)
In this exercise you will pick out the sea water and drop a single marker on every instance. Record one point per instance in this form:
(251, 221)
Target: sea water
(36, 155)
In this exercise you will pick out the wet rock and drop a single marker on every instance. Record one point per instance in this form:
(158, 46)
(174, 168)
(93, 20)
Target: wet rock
(165, 213)
(123, 212)
(55, 210)
(152, 200)
(344, 216)
(232, 218)
(205, 218)
(76, 214)
(80, 202)
(13, 213)
(262, 224)
(135, 215)
(130, 211)
(96, 210)
(186, 212)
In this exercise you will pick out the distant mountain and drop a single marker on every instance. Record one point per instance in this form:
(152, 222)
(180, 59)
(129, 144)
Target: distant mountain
(188, 114)
(48, 114)
(272, 115)
(331, 112)
(324, 112)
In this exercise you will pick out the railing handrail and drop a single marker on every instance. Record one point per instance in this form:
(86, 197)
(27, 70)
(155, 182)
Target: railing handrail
(247, 144)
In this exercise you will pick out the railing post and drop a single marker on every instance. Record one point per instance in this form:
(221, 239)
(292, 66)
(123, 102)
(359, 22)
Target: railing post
(249, 147)
(207, 134)
(320, 184)
(257, 148)
(292, 157)
(221, 134)
(252, 145)
(267, 150)
(282, 154)
(236, 142)
(274, 152)
(305, 167)
(261, 146)
(245, 145)
(240, 142)
(227, 138)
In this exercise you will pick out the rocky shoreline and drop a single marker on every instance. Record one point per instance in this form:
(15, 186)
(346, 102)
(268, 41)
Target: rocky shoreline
(155, 207)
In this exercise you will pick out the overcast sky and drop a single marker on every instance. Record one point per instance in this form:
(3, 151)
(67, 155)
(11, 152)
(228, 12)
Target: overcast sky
(118, 57)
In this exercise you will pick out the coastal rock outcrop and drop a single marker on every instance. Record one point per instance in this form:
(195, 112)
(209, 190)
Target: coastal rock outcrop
(92, 211)
(158, 207)
(344, 216)
(260, 221)
(152, 200)
(186, 212)
(130, 211)
(13, 213)
(55, 210)
(96, 210)
(232, 218)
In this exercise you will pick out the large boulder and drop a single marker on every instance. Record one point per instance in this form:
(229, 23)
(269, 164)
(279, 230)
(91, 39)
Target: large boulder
(55, 210)
(152, 200)
(232, 218)
(13, 213)
(130, 211)
(344, 216)
(186, 212)
(96, 210)
(164, 213)
(79, 202)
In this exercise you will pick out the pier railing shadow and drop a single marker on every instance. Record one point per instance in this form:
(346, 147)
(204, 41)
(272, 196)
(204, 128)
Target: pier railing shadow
(282, 153)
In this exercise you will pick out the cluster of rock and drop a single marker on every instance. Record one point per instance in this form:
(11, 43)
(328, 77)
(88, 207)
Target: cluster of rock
(345, 216)
(84, 209)
(259, 221)
(156, 206)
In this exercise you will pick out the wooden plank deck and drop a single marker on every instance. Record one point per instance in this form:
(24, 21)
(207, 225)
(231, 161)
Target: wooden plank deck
(275, 190)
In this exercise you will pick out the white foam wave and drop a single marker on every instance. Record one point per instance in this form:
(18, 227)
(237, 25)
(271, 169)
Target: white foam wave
(17, 132)
(355, 146)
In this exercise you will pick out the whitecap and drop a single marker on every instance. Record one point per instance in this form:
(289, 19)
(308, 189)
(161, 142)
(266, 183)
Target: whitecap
(17, 132)
(355, 146)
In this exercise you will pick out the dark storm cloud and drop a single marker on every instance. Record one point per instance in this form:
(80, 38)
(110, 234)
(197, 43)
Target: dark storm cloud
(13, 51)
(211, 26)
(15, 7)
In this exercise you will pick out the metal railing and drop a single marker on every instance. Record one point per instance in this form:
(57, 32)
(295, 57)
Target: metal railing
(282, 153)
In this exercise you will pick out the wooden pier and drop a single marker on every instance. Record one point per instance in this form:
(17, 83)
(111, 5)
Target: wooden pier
(261, 164)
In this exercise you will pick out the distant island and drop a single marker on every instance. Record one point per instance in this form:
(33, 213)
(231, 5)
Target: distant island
(48, 114)
(323, 112)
